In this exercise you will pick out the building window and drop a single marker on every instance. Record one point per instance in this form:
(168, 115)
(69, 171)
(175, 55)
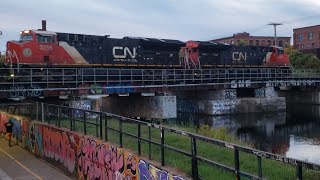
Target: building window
(312, 45)
(257, 42)
(300, 37)
(302, 46)
(310, 36)
(269, 42)
(280, 43)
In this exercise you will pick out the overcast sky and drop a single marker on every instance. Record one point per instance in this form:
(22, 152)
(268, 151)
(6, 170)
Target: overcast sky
(173, 19)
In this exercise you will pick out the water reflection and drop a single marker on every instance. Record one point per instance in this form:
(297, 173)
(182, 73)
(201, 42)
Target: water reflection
(295, 133)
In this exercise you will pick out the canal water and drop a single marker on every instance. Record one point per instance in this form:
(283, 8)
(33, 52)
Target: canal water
(294, 133)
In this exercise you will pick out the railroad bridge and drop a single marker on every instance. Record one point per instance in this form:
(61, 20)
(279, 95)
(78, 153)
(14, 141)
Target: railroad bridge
(207, 91)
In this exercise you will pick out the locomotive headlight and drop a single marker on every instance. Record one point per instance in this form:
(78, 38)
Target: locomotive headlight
(21, 32)
(26, 31)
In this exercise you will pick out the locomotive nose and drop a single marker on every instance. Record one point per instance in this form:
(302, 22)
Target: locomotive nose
(12, 52)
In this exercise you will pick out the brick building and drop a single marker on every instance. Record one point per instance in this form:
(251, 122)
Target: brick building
(306, 38)
(254, 40)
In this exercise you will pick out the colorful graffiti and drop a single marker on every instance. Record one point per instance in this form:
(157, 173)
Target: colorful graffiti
(150, 172)
(83, 157)
(3, 119)
(97, 160)
(60, 146)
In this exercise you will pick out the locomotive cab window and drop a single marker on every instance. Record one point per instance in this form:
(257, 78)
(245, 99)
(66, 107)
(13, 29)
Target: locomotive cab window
(26, 37)
(45, 39)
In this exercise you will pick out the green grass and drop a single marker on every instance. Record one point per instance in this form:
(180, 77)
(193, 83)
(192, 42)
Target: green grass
(248, 162)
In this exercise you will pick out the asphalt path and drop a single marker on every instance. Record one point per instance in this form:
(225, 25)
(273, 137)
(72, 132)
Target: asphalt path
(17, 163)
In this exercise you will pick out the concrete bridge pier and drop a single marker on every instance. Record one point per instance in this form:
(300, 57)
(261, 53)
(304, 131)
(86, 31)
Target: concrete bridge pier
(302, 94)
(226, 101)
(149, 106)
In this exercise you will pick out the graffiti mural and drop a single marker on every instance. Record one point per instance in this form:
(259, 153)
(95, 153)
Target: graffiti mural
(102, 161)
(60, 146)
(150, 172)
(82, 157)
(3, 119)
(267, 92)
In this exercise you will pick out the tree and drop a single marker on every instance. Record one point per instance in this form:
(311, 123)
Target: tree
(242, 43)
(300, 60)
(2, 59)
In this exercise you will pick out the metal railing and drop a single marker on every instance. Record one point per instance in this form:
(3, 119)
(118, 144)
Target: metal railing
(106, 125)
(72, 77)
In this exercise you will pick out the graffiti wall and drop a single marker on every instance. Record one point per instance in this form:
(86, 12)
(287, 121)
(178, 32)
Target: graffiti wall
(82, 157)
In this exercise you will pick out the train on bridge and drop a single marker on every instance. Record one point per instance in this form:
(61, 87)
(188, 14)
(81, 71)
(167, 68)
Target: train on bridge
(42, 48)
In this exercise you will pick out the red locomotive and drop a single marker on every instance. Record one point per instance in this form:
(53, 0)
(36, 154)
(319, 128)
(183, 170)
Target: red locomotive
(45, 48)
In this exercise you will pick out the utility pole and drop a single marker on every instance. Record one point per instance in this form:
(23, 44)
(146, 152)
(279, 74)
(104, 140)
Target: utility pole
(275, 31)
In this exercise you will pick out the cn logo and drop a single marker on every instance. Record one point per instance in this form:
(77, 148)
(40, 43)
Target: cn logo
(239, 56)
(122, 52)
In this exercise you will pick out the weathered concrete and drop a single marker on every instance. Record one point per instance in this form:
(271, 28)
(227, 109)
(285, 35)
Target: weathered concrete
(243, 105)
(220, 102)
(154, 107)
(301, 97)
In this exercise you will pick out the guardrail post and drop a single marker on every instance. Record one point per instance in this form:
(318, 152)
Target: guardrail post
(299, 171)
(237, 164)
(139, 139)
(100, 117)
(84, 122)
(195, 174)
(162, 146)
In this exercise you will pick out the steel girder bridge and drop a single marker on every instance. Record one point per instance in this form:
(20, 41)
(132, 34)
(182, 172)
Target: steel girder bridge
(39, 82)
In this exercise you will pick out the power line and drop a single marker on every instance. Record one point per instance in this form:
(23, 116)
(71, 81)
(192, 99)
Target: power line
(300, 19)
(292, 21)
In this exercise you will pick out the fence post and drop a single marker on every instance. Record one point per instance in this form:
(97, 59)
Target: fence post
(237, 163)
(37, 112)
(70, 117)
(259, 167)
(84, 122)
(106, 128)
(97, 133)
(195, 174)
(149, 138)
(162, 146)
(59, 123)
(139, 139)
(299, 171)
(42, 112)
(101, 136)
(120, 131)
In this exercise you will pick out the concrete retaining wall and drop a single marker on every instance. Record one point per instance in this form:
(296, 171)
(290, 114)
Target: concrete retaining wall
(302, 97)
(80, 156)
(155, 107)
(243, 105)
(225, 101)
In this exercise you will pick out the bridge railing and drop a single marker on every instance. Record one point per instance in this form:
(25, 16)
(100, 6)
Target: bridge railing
(159, 142)
(71, 77)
